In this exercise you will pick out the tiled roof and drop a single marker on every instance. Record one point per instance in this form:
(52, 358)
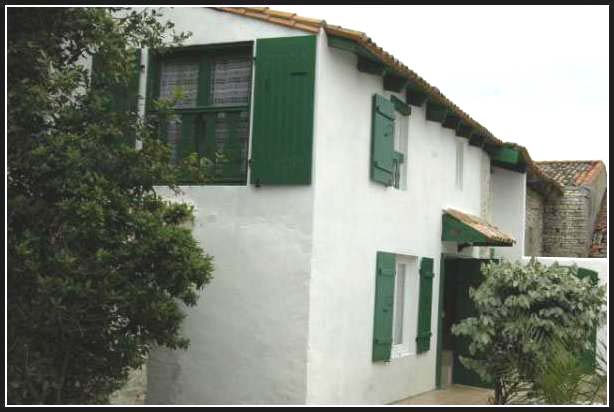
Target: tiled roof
(487, 229)
(314, 26)
(572, 172)
(599, 248)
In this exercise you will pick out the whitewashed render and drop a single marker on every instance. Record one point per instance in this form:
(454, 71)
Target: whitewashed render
(288, 317)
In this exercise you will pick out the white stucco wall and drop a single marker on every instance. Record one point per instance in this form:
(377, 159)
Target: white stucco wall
(599, 265)
(355, 218)
(509, 191)
(249, 331)
(288, 317)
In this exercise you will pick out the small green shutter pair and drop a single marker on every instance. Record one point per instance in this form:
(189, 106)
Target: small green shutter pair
(384, 304)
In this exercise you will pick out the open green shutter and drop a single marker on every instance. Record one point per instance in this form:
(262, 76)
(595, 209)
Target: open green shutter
(423, 340)
(382, 141)
(587, 357)
(384, 302)
(283, 111)
(153, 78)
(122, 98)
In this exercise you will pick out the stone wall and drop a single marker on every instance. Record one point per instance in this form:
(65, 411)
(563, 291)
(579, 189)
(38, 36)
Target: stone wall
(533, 239)
(566, 224)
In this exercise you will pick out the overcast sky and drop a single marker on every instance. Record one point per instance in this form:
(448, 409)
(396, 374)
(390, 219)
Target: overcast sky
(537, 76)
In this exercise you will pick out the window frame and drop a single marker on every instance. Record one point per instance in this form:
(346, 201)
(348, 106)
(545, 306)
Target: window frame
(460, 163)
(203, 55)
(408, 346)
(400, 144)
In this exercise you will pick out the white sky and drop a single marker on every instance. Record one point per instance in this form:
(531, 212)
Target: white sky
(537, 76)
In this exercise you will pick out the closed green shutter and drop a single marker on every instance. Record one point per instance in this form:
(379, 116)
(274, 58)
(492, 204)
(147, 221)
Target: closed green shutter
(382, 141)
(384, 301)
(283, 111)
(587, 357)
(423, 339)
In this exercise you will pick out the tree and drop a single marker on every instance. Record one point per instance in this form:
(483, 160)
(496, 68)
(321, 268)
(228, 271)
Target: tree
(520, 309)
(98, 262)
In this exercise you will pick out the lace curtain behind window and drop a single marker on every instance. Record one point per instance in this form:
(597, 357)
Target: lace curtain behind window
(183, 76)
(230, 78)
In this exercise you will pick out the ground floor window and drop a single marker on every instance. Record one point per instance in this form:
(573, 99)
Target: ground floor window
(405, 310)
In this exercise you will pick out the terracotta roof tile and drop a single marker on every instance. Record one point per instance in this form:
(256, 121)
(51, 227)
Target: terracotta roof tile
(489, 230)
(315, 25)
(572, 172)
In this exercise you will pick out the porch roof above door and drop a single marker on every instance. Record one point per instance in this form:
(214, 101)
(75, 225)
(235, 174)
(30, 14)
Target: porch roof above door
(468, 229)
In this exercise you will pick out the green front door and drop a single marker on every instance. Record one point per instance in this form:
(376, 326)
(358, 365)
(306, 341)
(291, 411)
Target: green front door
(464, 273)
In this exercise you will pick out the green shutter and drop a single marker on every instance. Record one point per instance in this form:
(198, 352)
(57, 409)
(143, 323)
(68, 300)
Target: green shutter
(283, 111)
(425, 299)
(128, 99)
(153, 78)
(122, 98)
(587, 357)
(384, 302)
(382, 141)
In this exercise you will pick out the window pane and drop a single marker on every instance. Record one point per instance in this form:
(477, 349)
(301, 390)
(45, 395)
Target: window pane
(182, 76)
(230, 80)
(460, 149)
(399, 305)
(173, 134)
(231, 134)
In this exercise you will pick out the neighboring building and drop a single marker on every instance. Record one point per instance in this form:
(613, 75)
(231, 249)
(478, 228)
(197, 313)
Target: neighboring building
(599, 247)
(353, 204)
(562, 223)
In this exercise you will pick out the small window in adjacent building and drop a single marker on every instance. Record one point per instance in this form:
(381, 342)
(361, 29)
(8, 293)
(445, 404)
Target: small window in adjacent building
(460, 153)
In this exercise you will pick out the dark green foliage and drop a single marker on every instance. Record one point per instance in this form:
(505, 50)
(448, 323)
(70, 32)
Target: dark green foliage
(98, 262)
(521, 309)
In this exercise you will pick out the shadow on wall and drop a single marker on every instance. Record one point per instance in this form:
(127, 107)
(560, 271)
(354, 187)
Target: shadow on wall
(133, 393)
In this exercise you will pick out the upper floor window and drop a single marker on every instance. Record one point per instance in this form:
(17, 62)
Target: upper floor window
(401, 123)
(460, 154)
(211, 89)
(389, 141)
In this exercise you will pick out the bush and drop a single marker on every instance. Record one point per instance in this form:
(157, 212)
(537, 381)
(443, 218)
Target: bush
(520, 308)
(98, 262)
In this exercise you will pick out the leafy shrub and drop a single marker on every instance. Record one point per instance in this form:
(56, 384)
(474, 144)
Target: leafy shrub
(98, 262)
(520, 309)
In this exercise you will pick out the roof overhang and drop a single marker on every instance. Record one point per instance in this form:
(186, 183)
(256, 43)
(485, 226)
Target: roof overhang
(373, 59)
(470, 230)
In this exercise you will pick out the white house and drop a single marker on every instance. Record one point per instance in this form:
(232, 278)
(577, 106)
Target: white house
(349, 187)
